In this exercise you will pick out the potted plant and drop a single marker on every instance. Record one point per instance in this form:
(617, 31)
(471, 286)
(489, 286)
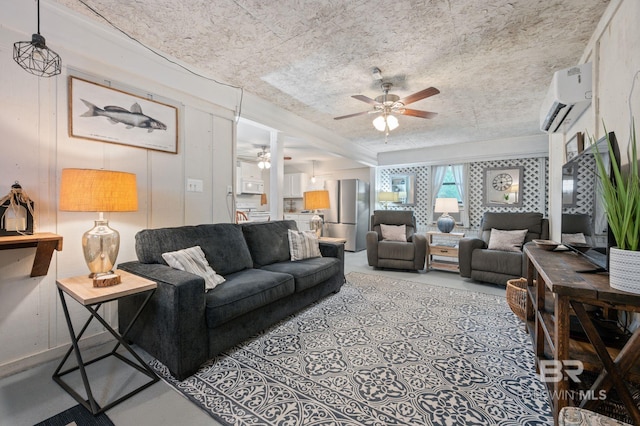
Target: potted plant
(621, 198)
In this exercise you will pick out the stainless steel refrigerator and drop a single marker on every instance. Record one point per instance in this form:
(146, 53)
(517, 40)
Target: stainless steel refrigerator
(348, 215)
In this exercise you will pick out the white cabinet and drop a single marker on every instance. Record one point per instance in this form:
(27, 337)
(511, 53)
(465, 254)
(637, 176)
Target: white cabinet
(294, 185)
(302, 220)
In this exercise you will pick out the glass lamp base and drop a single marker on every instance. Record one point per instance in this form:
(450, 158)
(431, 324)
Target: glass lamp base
(315, 224)
(100, 246)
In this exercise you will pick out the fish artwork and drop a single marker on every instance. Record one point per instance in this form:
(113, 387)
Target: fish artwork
(116, 114)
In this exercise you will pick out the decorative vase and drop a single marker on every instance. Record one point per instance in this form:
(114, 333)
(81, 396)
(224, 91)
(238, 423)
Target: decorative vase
(624, 270)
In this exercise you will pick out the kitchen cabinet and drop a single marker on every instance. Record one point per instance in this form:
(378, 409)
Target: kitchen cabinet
(302, 220)
(294, 185)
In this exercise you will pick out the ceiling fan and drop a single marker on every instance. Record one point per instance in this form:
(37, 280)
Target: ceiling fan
(389, 104)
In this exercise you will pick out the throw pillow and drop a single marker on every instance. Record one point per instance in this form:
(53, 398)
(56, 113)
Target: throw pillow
(192, 260)
(577, 238)
(507, 240)
(394, 232)
(303, 245)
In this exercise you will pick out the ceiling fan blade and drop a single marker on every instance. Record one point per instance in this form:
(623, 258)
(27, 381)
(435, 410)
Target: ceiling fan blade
(366, 99)
(351, 115)
(418, 113)
(420, 95)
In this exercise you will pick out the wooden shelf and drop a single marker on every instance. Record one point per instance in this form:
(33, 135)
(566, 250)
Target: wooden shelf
(44, 242)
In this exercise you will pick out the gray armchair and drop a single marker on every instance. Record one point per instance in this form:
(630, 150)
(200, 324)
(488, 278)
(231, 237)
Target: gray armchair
(497, 266)
(409, 255)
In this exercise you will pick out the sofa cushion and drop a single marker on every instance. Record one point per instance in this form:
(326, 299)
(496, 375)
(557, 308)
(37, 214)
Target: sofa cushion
(243, 292)
(193, 260)
(396, 250)
(393, 232)
(303, 244)
(222, 243)
(309, 272)
(533, 222)
(506, 240)
(496, 261)
(268, 242)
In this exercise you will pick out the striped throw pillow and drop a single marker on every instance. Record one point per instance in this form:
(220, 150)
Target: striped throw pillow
(303, 245)
(192, 260)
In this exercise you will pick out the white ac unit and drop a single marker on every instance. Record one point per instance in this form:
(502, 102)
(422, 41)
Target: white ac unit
(568, 97)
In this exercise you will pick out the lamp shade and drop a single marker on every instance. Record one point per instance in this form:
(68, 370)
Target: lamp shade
(446, 205)
(388, 197)
(89, 190)
(316, 200)
(383, 121)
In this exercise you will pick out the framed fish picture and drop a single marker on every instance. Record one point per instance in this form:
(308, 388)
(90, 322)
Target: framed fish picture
(105, 114)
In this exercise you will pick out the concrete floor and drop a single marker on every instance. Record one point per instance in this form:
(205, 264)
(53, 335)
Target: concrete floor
(31, 396)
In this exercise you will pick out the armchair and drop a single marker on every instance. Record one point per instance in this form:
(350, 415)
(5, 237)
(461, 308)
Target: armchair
(498, 266)
(381, 253)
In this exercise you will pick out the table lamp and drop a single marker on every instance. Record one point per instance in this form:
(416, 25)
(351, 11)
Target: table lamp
(445, 206)
(385, 198)
(314, 201)
(87, 190)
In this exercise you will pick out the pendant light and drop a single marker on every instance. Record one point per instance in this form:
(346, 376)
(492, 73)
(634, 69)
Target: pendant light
(313, 174)
(35, 57)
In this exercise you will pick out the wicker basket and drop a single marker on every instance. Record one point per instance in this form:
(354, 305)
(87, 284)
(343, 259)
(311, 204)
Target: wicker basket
(517, 298)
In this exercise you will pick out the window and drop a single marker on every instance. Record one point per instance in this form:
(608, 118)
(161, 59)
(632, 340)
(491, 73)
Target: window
(450, 189)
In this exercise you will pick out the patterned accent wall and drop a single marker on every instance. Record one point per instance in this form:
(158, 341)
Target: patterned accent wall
(534, 186)
(423, 189)
(586, 186)
(534, 191)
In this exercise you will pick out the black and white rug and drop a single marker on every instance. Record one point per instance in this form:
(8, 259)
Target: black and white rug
(381, 352)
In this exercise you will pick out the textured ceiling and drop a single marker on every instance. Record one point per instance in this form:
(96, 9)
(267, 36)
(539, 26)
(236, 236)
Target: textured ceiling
(492, 60)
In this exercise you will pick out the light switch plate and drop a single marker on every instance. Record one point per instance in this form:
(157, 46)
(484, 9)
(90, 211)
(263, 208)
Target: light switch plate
(194, 185)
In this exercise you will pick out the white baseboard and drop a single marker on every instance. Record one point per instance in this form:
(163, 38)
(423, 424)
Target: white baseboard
(88, 346)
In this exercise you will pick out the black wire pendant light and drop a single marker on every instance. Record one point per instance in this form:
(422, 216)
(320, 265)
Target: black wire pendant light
(35, 57)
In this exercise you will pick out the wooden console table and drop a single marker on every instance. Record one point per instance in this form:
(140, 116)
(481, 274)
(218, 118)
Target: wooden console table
(552, 277)
(44, 242)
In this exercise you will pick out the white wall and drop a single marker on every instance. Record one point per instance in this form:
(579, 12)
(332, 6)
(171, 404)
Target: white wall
(36, 147)
(614, 51)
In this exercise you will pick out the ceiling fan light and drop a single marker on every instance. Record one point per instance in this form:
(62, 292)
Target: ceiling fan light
(267, 164)
(379, 123)
(261, 164)
(392, 122)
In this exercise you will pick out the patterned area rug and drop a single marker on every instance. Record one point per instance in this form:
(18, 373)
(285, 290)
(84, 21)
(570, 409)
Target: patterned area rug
(380, 352)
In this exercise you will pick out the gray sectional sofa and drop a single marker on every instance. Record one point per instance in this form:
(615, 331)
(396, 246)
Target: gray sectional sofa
(183, 326)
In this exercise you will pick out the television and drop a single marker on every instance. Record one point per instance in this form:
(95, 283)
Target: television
(582, 206)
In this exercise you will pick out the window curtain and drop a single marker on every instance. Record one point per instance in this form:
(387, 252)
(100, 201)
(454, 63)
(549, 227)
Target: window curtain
(438, 173)
(460, 174)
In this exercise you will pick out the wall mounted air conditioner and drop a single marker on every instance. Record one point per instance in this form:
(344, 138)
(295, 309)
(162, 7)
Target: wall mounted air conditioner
(568, 97)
